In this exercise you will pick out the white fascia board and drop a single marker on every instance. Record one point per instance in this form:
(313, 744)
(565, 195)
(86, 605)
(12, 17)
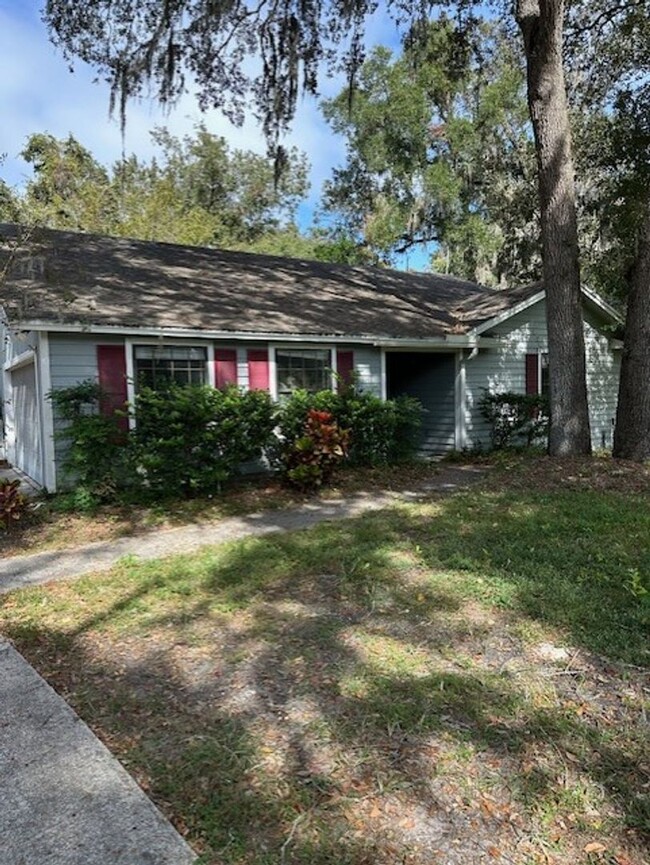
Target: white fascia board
(21, 359)
(190, 333)
(602, 305)
(134, 333)
(587, 293)
(444, 344)
(508, 313)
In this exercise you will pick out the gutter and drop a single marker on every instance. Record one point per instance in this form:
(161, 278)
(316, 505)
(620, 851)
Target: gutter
(445, 342)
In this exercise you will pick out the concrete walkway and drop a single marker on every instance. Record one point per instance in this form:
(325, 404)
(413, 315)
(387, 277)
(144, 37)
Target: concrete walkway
(65, 799)
(22, 571)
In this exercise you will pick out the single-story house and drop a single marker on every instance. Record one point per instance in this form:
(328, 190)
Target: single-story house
(78, 307)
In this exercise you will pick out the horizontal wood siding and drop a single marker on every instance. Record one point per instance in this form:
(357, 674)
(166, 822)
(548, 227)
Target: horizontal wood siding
(603, 371)
(73, 359)
(431, 378)
(504, 368)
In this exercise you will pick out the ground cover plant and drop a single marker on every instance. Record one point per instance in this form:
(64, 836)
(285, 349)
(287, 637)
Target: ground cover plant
(460, 680)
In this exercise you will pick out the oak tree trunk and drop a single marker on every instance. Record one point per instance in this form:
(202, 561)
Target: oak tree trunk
(632, 432)
(541, 24)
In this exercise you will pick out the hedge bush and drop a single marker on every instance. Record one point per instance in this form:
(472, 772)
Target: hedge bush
(96, 448)
(515, 418)
(190, 439)
(382, 432)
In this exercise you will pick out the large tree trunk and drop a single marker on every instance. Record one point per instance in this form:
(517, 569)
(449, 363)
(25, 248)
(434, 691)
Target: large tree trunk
(541, 24)
(632, 433)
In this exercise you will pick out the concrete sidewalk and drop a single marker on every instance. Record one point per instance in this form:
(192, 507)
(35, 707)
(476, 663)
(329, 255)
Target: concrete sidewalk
(21, 571)
(65, 799)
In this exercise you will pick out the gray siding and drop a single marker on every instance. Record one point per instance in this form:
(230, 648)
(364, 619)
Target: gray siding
(603, 371)
(504, 368)
(73, 359)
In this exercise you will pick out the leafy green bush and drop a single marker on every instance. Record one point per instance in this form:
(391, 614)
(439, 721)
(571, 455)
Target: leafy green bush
(381, 431)
(190, 439)
(96, 454)
(310, 459)
(515, 418)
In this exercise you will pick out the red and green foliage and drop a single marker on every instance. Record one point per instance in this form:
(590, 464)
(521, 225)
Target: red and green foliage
(12, 502)
(310, 459)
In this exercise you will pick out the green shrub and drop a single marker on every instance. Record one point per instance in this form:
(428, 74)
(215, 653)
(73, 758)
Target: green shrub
(190, 439)
(515, 418)
(12, 502)
(96, 453)
(310, 459)
(381, 431)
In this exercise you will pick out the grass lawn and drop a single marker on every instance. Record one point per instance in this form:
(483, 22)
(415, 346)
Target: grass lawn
(461, 680)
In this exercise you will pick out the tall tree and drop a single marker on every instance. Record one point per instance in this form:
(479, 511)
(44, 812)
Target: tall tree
(196, 190)
(439, 151)
(542, 27)
(608, 54)
(136, 43)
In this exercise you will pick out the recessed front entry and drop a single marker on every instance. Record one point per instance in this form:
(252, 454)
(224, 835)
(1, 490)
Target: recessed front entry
(430, 377)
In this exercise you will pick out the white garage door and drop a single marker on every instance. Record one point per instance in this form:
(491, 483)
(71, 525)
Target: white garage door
(26, 454)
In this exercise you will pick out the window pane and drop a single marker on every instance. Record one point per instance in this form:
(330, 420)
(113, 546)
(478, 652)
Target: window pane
(305, 369)
(158, 365)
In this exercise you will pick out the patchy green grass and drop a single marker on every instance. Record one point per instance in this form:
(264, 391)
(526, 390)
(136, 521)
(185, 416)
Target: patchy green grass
(460, 680)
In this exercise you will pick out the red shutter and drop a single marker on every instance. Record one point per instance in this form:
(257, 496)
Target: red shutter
(225, 366)
(111, 365)
(532, 373)
(345, 366)
(258, 369)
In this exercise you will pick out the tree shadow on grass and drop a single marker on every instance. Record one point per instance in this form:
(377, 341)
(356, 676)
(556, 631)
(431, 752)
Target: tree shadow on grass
(270, 690)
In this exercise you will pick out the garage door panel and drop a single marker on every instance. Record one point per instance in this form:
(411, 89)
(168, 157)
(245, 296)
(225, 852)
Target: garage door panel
(27, 437)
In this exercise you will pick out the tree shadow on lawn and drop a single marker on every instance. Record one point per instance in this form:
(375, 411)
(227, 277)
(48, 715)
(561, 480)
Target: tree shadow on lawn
(312, 697)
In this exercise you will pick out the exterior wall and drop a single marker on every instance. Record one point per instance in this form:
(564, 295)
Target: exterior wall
(73, 359)
(603, 371)
(504, 368)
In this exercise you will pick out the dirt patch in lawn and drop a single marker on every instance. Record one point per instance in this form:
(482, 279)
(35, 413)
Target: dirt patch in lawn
(285, 704)
(551, 474)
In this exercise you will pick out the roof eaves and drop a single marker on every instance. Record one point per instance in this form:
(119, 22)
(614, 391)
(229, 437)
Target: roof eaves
(522, 306)
(602, 304)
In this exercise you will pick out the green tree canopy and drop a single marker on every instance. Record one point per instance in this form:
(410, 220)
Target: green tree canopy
(439, 150)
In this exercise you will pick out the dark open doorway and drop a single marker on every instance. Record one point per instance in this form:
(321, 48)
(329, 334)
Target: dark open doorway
(431, 378)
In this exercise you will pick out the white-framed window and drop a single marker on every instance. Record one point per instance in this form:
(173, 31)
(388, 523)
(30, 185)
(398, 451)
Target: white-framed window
(157, 365)
(310, 369)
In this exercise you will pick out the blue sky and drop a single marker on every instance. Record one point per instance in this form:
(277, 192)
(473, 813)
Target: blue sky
(38, 93)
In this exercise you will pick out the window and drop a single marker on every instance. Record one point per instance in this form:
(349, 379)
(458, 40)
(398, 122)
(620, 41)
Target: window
(307, 369)
(158, 365)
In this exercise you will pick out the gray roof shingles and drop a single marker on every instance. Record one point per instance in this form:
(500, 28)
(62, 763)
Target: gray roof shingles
(71, 278)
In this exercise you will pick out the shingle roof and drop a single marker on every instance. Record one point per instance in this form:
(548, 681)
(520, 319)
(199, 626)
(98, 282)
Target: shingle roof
(69, 278)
